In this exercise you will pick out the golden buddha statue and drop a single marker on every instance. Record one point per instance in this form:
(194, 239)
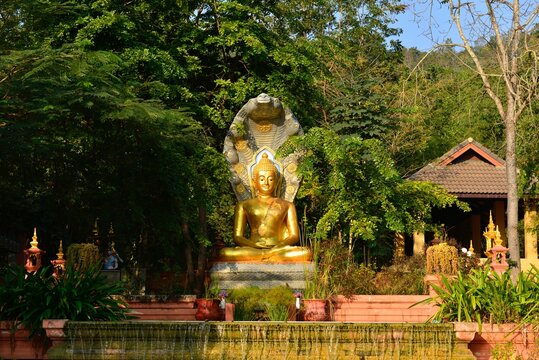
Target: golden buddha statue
(272, 222)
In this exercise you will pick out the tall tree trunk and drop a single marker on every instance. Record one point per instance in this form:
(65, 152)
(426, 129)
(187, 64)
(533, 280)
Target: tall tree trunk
(189, 269)
(514, 96)
(202, 253)
(512, 188)
(520, 83)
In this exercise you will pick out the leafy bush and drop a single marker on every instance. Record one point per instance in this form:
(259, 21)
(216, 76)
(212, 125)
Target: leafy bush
(247, 301)
(404, 277)
(271, 304)
(485, 296)
(467, 262)
(276, 312)
(28, 299)
(277, 302)
(83, 256)
(337, 273)
(442, 258)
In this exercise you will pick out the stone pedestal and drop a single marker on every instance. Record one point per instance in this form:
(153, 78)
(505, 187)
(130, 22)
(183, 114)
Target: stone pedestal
(498, 256)
(229, 275)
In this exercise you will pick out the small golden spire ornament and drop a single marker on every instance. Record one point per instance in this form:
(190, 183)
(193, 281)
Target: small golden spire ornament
(471, 249)
(58, 265)
(34, 242)
(498, 239)
(60, 253)
(489, 234)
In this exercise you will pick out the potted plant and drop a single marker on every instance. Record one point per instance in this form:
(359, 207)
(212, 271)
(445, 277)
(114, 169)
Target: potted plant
(317, 288)
(315, 310)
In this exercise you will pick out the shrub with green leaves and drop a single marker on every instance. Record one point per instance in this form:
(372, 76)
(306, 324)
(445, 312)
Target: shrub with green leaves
(274, 303)
(83, 256)
(277, 302)
(28, 299)
(247, 300)
(485, 296)
(404, 277)
(337, 273)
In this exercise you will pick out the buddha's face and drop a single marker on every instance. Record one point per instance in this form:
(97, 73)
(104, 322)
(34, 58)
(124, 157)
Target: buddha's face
(265, 182)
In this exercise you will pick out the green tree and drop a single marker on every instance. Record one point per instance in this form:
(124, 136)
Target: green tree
(439, 103)
(507, 30)
(99, 100)
(354, 192)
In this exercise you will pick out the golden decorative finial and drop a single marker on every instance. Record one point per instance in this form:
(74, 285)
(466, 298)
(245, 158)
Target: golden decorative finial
(33, 255)
(471, 249)
(34, 242)
(498, 240)
(60, 253)
(489, 233)
(111, 230)
(490, 222)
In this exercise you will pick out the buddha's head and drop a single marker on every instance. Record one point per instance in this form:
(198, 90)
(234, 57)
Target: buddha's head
(265, 176)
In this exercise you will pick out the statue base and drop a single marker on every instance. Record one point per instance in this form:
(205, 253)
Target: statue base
(234, 275)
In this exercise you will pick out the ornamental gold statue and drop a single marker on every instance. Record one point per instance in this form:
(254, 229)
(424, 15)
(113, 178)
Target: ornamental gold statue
(264, 186)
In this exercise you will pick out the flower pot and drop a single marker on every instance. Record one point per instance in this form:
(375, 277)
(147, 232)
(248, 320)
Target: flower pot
(208, 309)
(315, 310)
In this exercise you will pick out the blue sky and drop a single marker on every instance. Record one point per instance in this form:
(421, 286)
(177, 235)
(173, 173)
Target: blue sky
(421, 23)
(426, 23)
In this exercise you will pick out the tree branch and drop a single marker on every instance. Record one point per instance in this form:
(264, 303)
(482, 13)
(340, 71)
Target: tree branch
(504, 60)
(531, 17)
(456, 16)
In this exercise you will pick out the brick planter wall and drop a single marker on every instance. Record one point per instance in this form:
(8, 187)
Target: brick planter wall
(18, 345)
(182, 308)
(381, 308)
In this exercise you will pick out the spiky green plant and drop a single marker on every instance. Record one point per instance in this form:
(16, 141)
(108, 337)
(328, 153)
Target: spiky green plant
(28, 299)
(484, 296)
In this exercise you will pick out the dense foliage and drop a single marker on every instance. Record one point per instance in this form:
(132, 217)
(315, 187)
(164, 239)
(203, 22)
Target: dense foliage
(337, 273)
(28, 299)
(484, 296)
(117, 110)
(253, 303)
(353, 192)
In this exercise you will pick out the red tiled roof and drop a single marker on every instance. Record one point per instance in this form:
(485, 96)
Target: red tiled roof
(467, 170)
